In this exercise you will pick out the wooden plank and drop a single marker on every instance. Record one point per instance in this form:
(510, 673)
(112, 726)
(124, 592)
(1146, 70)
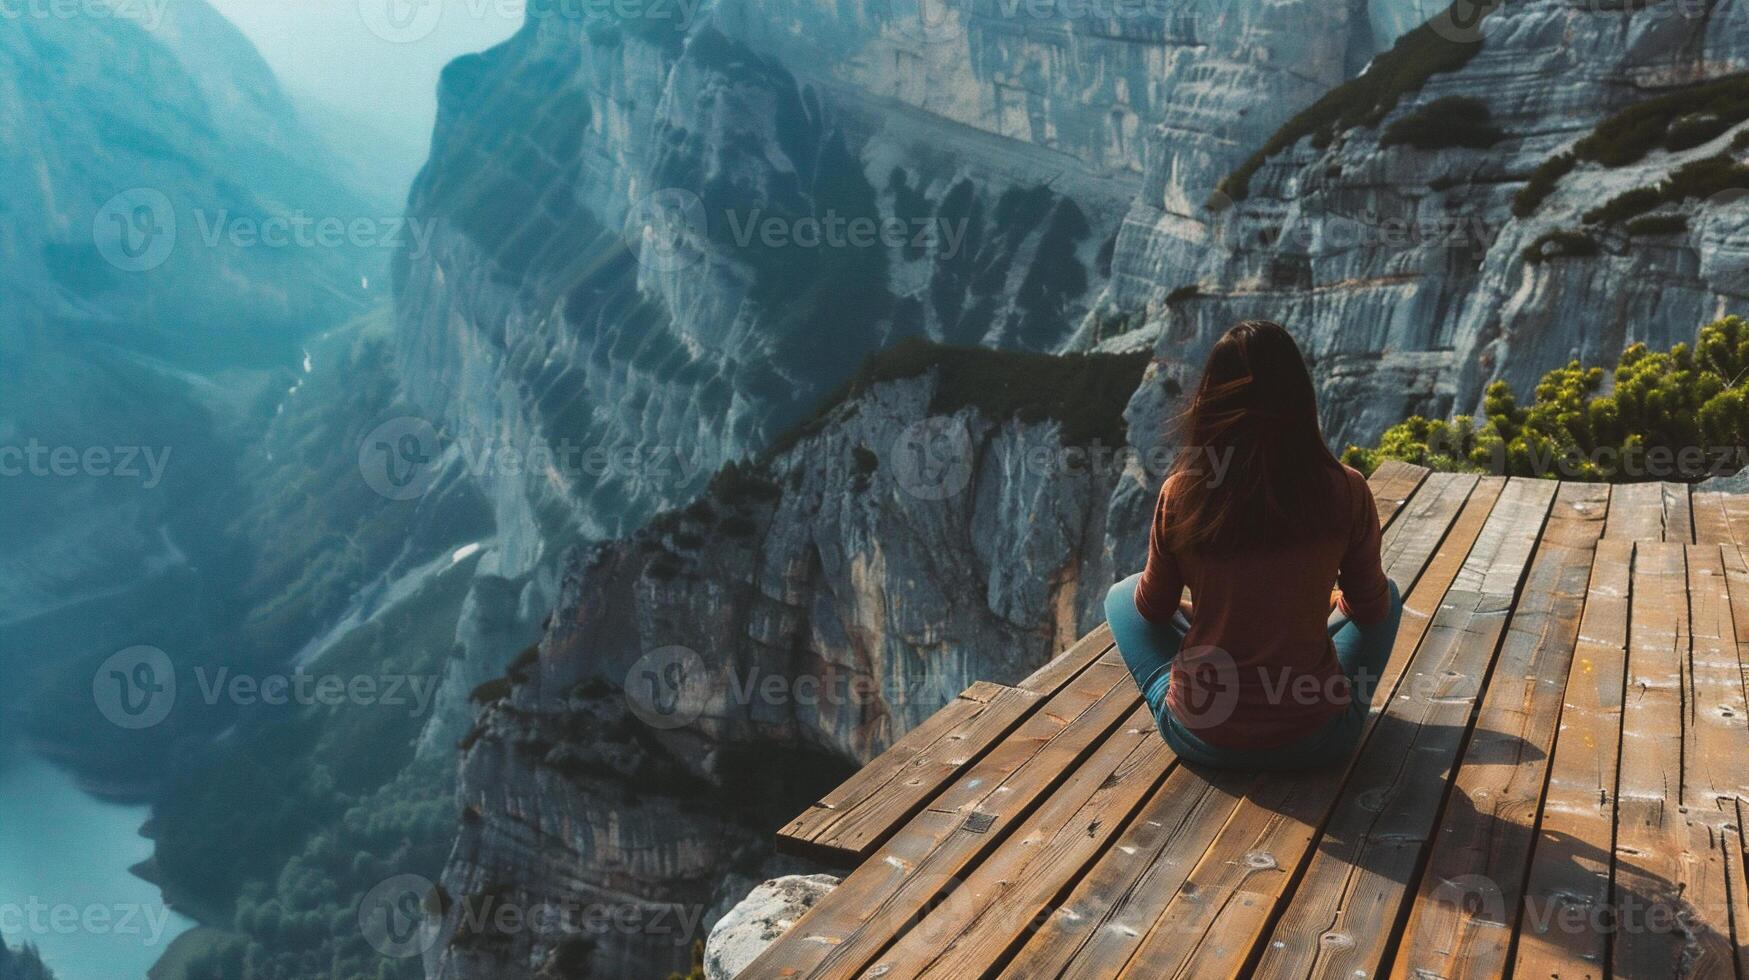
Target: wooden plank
(1678, 512)
(1737, 510)
(1340, 921)
(1737, 873)
(1737, 580)
(1736, 570)
(1003, 898)
(1636, 513)
(1712, 524)
(1393, 483)
(928, 855)
(1715, 765)
(848, 823)
(1092, 931)
(1651, 836)
(1410, 544)
(1716, 724)
(1061, 669)
(1461, 920)
(1563, 926)
(1098, 927)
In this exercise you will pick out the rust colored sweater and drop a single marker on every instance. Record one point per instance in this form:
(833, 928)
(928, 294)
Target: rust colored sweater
(1257, 669)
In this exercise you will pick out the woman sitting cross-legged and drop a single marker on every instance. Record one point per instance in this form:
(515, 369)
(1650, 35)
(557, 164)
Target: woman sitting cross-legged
(1259, 520)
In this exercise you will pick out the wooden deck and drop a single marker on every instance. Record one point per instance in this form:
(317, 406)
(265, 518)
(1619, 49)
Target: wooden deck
(1552, 784)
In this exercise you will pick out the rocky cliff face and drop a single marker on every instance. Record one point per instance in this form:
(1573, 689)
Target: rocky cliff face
(594, 280)
(1383, 228)
(944, 522)
(663, 240)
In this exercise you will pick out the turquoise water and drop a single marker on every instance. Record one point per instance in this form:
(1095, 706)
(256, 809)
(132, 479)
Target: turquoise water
(64, 881)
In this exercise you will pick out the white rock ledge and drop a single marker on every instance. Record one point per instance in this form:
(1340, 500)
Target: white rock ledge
(766, 913)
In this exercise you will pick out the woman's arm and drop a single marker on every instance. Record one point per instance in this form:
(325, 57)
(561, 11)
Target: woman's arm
(1162, 582)
(1366, 592)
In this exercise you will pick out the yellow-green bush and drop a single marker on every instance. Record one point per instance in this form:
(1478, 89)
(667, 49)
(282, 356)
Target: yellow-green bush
(1680, 414)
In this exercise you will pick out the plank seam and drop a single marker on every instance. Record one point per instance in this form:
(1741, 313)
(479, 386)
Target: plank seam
(1412, 886)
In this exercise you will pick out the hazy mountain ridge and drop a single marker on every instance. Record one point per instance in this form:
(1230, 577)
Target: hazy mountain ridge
(142, 328)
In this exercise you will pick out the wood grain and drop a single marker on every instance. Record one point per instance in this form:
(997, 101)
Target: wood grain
(1636, 513)
(886, 895)
(1341, 918)
(1562, 929)
(1462, 918)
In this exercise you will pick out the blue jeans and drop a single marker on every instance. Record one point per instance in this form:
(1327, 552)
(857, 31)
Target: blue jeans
(1148, 649)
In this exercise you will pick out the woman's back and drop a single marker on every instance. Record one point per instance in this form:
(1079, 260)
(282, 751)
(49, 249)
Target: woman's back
(1258, 667)
(1257, 678)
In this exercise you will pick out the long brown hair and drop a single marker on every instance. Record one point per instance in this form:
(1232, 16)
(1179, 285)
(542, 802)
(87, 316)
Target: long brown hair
(1253, 469)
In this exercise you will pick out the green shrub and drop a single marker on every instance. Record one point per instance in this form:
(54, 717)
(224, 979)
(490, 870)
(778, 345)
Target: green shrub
(1691, 131)
(1542, 183)
(1679, 120)
(1658, 224)
(1626, 205)
(1454, 121)
(1696, 180)
(1561, 243)
(496, 689)
(1364, 100)
(1687, 407)
(1676, 121)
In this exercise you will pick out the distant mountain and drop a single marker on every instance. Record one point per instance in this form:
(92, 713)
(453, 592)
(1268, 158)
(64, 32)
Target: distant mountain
(151, 313)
